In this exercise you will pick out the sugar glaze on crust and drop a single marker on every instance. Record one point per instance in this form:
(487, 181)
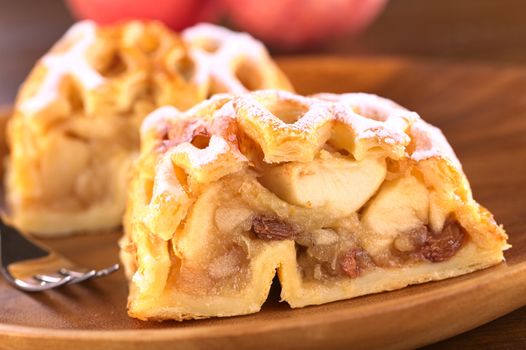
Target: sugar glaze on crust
(340, 195)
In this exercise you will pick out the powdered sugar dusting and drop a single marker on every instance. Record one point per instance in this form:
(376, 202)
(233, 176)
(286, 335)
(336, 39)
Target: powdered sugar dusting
(430, 142)
(72, 62)
(166, 183)
(217, 52)
(255, 105)
(402, 132)
(158, 118)
(371, 116)
(201, 157)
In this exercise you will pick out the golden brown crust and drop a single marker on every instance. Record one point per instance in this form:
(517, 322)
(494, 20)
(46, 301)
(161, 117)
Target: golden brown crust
(193, 205)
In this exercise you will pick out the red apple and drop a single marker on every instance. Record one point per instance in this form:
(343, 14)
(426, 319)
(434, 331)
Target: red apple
(301, 23)
(177, 14)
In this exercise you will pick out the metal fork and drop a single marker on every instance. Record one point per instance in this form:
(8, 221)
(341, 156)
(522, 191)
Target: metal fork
(32, 268)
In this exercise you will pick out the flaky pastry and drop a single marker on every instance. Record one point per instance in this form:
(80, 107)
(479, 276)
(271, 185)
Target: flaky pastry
(75, 130)
(340, 195)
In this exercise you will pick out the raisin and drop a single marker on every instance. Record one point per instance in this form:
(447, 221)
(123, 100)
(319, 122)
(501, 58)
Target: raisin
(355, 261)
(443, 245)
(271, 228)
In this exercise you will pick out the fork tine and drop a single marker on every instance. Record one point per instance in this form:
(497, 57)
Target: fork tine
(71, 272)
(108, 270)
(78, 276)
(39, 287)
(48, 278)
(17, 250)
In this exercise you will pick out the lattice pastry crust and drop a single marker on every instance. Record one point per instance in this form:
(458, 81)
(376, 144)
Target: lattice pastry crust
(342, 195)
(75, 128)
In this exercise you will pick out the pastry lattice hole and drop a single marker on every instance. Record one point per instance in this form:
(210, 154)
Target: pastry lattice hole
(180, 174)
(341, 140)
(114, 66)
(249, 75)
(251, 149)
(201, 140)
(288, 111)
(371, 113)
(74, 96)
(216, 87)
(185, 67)
(344, 152)
(341, 151)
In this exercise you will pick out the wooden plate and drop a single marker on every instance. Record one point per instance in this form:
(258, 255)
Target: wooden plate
(482, 110)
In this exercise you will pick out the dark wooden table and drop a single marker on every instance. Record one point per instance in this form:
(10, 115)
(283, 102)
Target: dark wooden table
(493, 31)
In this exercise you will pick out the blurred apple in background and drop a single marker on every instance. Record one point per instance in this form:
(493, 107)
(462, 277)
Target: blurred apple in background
(289, 24)
(177, 14)
(302, 23)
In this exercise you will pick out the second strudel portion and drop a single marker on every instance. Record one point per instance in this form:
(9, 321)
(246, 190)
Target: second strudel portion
(75, 130)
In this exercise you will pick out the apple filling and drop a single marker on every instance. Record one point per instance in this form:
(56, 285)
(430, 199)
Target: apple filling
(220, 218)
(325, 254)
(346, 217)
(343, 216)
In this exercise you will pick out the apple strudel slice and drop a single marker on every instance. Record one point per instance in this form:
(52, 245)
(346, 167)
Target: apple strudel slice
(341, 195)
(75, 130)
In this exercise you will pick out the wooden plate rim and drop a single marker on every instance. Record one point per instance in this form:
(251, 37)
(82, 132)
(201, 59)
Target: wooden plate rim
(331, 316)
